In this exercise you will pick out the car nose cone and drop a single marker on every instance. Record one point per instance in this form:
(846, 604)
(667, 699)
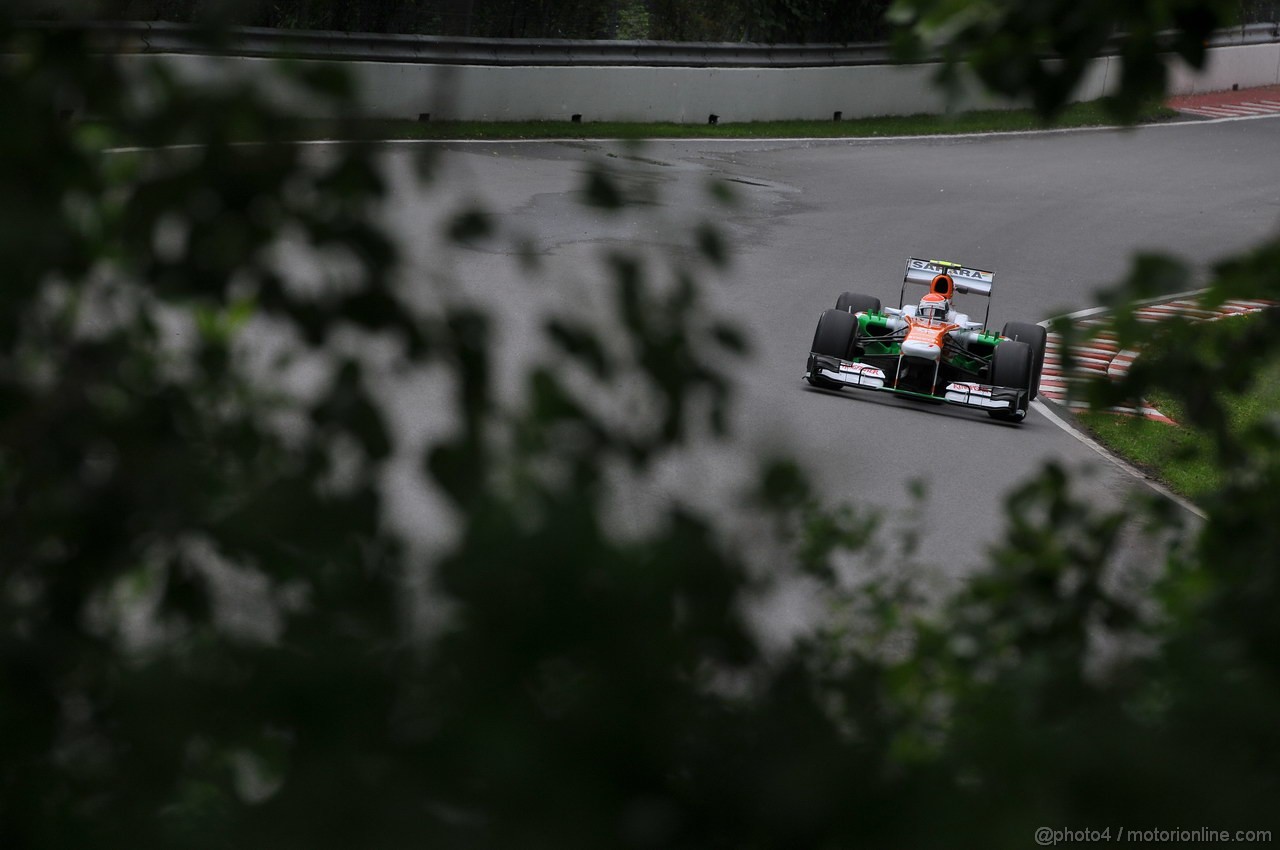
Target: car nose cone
(922, 348)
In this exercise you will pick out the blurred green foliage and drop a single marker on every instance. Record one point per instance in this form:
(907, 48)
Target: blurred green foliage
(771, 21)
(767, 21)
(565, 685)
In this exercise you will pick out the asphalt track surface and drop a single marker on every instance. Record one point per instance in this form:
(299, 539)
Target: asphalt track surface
(1057, 216)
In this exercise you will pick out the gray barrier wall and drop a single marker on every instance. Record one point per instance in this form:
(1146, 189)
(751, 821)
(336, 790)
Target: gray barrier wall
(480, 80)
(1254, 65)
(611, 93)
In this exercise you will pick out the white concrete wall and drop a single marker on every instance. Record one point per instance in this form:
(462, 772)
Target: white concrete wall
(690, 95)
(681, 95)
(1246, 67)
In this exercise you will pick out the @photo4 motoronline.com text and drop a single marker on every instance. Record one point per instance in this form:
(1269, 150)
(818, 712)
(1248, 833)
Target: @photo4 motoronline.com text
(1050, 837)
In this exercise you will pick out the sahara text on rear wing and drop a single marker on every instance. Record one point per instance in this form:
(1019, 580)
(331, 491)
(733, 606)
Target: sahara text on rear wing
(966, 280)
(974, 281)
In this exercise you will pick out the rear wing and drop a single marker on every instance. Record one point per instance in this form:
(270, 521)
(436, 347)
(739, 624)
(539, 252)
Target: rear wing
(966, 280)
(969, 280)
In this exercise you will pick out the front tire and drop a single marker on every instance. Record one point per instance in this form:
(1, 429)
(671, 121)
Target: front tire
(1011, 366)
(834, 337)
(852, 302)
(1036, 337)
(835, 333)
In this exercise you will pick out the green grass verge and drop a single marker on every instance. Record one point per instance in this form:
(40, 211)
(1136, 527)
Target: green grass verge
(1090, 114)
(1180, 456)
(1174, 455)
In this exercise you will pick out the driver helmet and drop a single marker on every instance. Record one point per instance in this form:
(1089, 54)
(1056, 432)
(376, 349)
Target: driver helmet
(933, 307)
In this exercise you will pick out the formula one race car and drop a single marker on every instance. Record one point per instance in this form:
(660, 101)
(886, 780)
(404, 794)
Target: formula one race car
(929, 350)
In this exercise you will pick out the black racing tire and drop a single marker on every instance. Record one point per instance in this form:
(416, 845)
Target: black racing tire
(852, 302)
(1011, 366)
(1036, 337)
(833, 337)
(834, 334)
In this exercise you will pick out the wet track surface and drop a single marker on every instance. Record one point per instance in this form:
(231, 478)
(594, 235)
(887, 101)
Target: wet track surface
(1056, 216)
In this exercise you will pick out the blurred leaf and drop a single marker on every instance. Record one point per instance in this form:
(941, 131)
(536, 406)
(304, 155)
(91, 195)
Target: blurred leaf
(711, 244)
(470, 226)
(602, 190)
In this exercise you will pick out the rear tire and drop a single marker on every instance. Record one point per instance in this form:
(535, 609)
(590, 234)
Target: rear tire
(852, 302)
(1011, 367)
(1036, 337)
(833, 338)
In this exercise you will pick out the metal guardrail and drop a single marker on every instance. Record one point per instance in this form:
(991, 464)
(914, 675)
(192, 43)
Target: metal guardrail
(166, 38)
(128, 37)
(1265, 33)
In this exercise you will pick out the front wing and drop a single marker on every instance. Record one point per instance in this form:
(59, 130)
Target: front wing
(850, 373)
